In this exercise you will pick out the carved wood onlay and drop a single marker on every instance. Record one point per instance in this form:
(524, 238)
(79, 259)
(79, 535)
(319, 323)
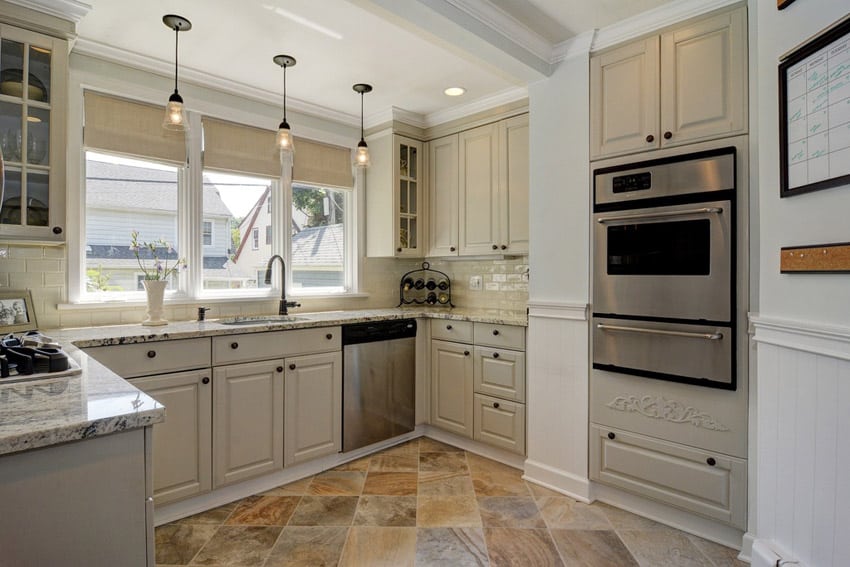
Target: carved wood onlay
(658, 407)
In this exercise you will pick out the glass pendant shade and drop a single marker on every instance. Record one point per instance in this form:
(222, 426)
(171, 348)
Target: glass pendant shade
(361, 157)
(175, 114)
(284, 138)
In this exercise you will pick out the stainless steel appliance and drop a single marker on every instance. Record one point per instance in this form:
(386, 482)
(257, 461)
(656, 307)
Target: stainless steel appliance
(379, 379)
(664, 268)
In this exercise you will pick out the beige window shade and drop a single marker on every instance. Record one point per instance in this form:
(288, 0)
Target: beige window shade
(322, 164)
(240, 149)
(119, 125)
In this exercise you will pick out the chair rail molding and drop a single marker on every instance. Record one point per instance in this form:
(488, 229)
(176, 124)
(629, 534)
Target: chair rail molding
(825, 340)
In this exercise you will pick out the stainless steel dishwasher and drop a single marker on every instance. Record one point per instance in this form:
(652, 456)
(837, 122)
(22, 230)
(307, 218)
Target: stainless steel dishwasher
(379, 380)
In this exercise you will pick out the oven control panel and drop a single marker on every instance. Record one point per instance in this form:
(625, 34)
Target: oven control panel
(632, 182)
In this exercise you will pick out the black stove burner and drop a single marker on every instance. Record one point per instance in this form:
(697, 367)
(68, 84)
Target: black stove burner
(30, 353)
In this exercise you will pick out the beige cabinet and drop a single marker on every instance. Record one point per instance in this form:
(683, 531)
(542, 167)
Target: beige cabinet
(33, 103)
(500, 423)
(685, 85)
(500, 373)
(313, 407)
(478, 182)
(247, 420)
(395, 219)
(451, 387)
(183, 443)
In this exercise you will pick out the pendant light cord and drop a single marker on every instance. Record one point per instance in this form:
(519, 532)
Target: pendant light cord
(284, 93)
(362, 139)
(176, 39)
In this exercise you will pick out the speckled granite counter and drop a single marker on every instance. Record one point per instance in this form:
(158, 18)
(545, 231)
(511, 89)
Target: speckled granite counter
(46, 412)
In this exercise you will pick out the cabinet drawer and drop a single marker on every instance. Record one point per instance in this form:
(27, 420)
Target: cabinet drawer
(456, 331)
(229, 349)
(504, 336)
(706, 483)
(500, 423)
(500, 373)
(141, 359)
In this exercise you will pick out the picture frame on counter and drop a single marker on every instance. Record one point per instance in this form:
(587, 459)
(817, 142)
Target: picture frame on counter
(814, 113)
(16, 311)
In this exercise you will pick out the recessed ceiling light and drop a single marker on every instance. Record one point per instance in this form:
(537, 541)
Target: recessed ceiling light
(454, 91)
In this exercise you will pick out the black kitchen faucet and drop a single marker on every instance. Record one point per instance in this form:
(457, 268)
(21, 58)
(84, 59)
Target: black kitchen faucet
(284, 304)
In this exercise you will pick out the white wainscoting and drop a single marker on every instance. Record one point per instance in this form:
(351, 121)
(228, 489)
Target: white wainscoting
(557, 388)
(802, 442)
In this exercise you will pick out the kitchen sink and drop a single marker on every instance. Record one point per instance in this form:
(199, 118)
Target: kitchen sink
(260, 320)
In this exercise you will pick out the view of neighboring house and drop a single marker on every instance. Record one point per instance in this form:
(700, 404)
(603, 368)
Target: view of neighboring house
(121, 198)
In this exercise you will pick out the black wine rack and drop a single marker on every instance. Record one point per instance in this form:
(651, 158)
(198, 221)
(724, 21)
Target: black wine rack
(425, 287)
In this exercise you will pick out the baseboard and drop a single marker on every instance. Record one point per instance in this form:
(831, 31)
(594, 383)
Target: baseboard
(560, 481)
(746, 554)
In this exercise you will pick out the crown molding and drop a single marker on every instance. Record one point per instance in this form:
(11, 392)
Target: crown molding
(577, 45)
(135, 60)
(394, 113)
(655, 19)
(70, 10)
(506, 25)
(486, 103)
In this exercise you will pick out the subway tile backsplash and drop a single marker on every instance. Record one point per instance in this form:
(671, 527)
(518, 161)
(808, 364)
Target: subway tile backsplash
(42, 270)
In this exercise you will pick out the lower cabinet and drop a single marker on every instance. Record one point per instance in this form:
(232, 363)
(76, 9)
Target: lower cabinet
(451, 387)
(500, 422)
(183, 443)
(313, 407)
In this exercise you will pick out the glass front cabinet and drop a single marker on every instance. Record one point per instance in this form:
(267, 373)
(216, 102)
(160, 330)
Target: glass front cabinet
(409, 186)
(33, 87)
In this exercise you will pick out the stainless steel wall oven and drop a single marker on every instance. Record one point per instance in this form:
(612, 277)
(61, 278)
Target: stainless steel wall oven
(664, 268)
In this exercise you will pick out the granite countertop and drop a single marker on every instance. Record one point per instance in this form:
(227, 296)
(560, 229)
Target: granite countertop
(49, 411)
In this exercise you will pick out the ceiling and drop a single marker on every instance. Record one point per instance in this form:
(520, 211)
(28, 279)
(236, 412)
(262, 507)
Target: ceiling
(409, 50)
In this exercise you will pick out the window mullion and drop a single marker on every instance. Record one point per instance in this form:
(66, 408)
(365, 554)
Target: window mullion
(282, 217)
(190, 210)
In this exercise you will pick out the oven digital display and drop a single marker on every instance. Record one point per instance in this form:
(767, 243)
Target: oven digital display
(632, 182)
(680, 248)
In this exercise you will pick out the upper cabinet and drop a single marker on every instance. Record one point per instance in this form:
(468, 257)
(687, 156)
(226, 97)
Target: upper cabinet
(395, 198)
(478, 186)
(685, 85)
(33, 87)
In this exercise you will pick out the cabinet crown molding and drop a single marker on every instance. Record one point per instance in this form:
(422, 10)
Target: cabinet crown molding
(71, 10)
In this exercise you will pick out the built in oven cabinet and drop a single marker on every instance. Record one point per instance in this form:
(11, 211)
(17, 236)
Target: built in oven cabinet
(675, 296)
(706, 418)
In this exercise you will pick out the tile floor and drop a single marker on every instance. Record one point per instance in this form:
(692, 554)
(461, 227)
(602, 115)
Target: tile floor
(425, 503)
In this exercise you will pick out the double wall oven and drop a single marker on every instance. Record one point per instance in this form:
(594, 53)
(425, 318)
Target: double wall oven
(664, 264)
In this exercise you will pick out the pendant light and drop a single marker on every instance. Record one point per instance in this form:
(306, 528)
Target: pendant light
(361, 158)
(284, 134)
(175, 114)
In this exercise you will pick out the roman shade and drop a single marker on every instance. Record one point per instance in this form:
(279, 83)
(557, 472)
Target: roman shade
(240, 149)
(133, 128)
(322, 164)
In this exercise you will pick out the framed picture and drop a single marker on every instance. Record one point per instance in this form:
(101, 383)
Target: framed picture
(782, 4)
(16, 311)
(814, 113)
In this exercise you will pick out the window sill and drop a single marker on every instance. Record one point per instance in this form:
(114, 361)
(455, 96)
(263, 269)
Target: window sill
(182, 300)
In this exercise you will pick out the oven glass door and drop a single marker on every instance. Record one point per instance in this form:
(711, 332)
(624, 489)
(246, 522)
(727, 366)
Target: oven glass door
(668, 262)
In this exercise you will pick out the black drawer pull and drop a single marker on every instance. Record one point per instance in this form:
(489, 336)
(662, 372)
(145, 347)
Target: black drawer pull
(205, 380)
(448, 327)
(452, 249)
(495, 355)
(234, 346)
(611, 435)
(292, 366)
(279, 368)
(710, 461)
(504, 247)
(398, 249)
(329, 336)
(496, 405)
(668, 135)
(495, 332)
(151, 354)
(650, 138)
(466, 353)
(495, 247)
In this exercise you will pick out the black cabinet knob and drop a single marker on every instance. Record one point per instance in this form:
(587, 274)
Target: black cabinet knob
(329, 336)
(279, 368)
(710, 461)
(495, 332)
(292, 366)
(496, 405)
(205, 380)
(504, 246)
(448, 327)
(495, 355)
(611, 435)
(650, 138)
(57, 230)
(668, 135)
(452, 249)
(234, 346)
(151, 354)
(495, 247)
(398, 249)
(466, 353)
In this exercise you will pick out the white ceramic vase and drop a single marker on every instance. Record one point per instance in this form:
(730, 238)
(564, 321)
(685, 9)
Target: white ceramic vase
(155, 290)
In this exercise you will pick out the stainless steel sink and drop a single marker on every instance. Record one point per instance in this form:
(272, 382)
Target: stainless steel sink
(260, 320)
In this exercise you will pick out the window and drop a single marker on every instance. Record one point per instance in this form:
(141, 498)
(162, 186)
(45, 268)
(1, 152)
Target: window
(255, 239)
(318, 257)
(207, 233)
(268, 235)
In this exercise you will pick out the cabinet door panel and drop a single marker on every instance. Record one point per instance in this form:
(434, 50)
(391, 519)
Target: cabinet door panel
(451, 387)
(443, 210)
(313, 401)
(182, 444)
(703, 79)
(500, 423)
(514, 183)
(247, 421)
(500, 372)
(624, 99)
(479, 186)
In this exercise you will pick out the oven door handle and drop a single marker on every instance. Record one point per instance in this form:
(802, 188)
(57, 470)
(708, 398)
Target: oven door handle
(706, 336)
(661, 215)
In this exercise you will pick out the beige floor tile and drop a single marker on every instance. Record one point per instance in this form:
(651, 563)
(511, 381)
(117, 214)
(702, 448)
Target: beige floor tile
(662, 548)
(538, 492)
(361, 465)
(390, 483)
(264, 511)
(297, 488)
(719, 555)
(458, 547)
(177, 544)
(521, 548)
(439, 483)
(495, 479)
(238, 546)
(214, 517)
(428, 445)
(623, 520)
(324, 511)
(408, 448)
(510, 512)
(397, 511)
(313, 546)
(337, 483)
(379, 547)
(566, 513)
(403, 462)
(447, 511)
(444, 462)
(592, 548)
